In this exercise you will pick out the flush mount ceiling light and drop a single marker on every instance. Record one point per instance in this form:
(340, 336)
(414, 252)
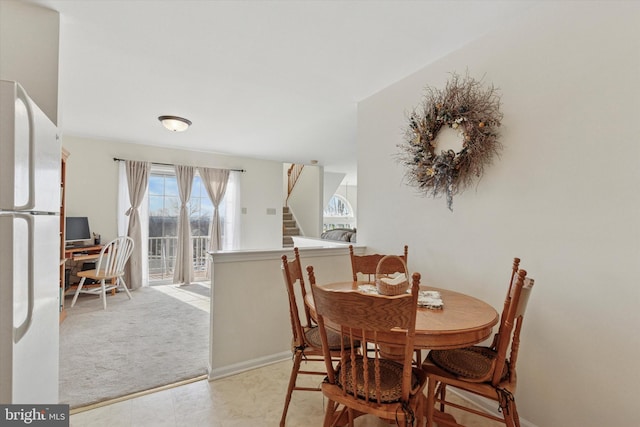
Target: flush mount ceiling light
(175, 123)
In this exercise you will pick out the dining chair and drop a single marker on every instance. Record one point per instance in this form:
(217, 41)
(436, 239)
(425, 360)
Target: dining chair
(365, 382)
(306, 343)
(110, 266)
(366, 264)
(484, 371)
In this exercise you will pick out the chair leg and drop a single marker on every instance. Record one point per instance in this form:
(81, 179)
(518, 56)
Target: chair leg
(330, 413)
(351, 417)
(516, 417)
(344, 416)
(418, 358)
(442, 392)
(75, 297)
(120, 280)
(511, 418)
(420, 409)
(431, 395)
(103, 294)
(297, 360)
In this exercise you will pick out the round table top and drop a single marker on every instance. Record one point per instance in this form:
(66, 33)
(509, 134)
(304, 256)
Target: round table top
(462, 321)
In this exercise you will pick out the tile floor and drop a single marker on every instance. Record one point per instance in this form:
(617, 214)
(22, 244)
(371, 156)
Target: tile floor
(252, 398)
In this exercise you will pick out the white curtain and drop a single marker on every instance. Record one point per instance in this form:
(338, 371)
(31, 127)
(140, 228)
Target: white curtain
(123, 219)
(215, 182)
(137, 182)
(232, 210)
(183, 271)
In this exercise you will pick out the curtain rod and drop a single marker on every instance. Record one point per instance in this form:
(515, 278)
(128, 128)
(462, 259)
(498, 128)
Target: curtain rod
(115, 159)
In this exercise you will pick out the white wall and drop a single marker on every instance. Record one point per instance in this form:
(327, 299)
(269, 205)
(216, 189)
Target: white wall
(331, 182)
(29, 52)
(92, 185)
(250, 323)
(305, 201)
(564, 196)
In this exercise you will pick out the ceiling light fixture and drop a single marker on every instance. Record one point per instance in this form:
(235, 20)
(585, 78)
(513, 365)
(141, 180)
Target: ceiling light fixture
(175, 123)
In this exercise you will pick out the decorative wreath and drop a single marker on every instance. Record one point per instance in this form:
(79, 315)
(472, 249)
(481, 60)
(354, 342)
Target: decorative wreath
(462, 105)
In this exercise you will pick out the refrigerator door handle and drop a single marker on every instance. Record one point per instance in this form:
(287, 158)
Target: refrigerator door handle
(31, 202)
(20, 331)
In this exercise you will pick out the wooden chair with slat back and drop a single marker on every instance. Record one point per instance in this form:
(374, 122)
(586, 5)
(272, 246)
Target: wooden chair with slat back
(365, 265)
(485, 371)
(306, 343)
(366, 383)
(110, 266)
(507, 303)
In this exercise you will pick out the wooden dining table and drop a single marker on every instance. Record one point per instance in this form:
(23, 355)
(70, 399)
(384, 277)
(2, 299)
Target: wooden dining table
(462, 321)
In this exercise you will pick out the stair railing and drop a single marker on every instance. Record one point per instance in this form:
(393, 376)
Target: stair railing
(292, 177)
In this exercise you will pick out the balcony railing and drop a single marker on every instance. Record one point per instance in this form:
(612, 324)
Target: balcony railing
(162, 257)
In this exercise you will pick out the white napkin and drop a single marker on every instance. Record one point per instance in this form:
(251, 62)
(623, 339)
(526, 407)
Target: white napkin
(430, 299)
(400, 278)
(368, 289)
(427, 299)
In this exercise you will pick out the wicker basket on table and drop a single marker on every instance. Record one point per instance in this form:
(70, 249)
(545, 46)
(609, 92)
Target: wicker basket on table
(388, 288)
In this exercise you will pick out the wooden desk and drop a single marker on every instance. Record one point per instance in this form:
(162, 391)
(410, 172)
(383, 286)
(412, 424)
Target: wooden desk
(75, 258)
(83, 253)
(463, 321)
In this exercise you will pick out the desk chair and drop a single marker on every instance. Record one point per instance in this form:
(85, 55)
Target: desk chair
(484, 371)
(366, 382)
(109, 266)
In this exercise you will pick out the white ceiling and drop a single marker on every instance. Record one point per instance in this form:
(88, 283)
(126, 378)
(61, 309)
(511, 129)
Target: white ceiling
(276, 80)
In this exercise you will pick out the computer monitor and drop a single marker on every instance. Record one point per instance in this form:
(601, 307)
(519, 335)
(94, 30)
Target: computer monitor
(76, 230)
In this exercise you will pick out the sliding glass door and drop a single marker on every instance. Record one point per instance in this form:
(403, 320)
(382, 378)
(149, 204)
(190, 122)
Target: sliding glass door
(164, 209)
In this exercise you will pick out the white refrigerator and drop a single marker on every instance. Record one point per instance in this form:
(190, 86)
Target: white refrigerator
(29, 250)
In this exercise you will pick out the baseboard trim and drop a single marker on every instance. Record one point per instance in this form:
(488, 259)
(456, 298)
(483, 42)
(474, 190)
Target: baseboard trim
(236, 368)
(486, 405)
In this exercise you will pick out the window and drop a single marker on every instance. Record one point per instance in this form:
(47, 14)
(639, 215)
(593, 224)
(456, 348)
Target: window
(164, 205)
(201, 209)
(338, 206)
(164, 211)
(338, 214)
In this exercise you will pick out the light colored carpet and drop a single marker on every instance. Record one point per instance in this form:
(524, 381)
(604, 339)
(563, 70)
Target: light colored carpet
(159, 337)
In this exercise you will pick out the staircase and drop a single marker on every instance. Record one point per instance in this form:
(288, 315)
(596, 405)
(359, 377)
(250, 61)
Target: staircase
(289, 228)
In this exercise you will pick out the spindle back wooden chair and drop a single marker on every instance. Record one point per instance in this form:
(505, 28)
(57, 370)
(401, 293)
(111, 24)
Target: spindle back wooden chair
(110, 266)
(489, 372)
(364, 268)
(366, 265)
(364, 382)
(306, 344)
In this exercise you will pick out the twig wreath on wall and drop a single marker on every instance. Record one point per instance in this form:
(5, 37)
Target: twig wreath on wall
(464, 105)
